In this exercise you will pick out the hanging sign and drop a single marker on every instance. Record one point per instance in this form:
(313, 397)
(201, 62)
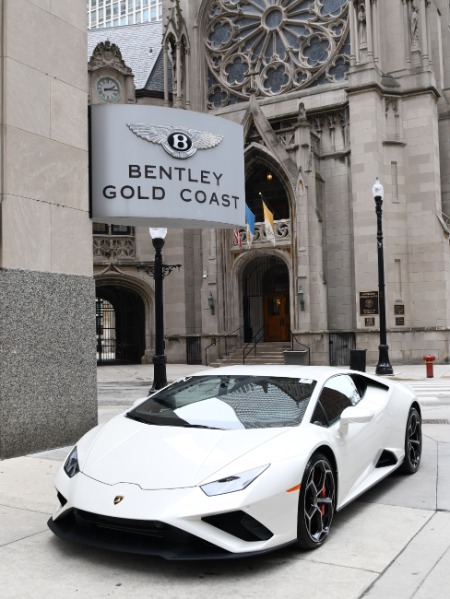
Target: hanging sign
(165, 167)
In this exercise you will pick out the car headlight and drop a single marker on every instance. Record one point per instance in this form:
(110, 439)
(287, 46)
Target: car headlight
(231, 484)
(71, 464)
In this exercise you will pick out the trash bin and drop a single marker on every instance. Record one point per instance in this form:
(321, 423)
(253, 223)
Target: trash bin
(358, 359)
(296, 357)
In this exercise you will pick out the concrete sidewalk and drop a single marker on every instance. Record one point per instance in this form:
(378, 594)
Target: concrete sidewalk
(393, 543)
(121, 385)
(143, 373)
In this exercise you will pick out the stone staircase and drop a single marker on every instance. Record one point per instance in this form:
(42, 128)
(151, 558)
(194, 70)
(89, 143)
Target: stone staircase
(266, 353)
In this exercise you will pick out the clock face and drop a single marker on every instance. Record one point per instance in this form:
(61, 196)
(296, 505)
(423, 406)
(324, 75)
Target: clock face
(108, 89)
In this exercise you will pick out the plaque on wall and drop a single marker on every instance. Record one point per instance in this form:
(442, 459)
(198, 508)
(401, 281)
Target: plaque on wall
(369, 321)
(399, 321)
(368, 302)
(399, 309)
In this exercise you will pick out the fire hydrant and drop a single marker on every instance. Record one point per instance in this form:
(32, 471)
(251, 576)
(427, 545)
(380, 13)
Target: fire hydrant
(429, 365)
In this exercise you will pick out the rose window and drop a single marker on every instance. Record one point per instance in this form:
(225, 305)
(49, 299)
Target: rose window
(270, 47)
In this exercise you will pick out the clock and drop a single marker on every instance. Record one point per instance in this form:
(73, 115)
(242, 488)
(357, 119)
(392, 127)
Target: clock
(108, 89)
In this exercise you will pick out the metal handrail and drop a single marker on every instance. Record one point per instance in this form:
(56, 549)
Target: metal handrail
(217, 342)
(255, 340)
(294, 336)
(251, 345)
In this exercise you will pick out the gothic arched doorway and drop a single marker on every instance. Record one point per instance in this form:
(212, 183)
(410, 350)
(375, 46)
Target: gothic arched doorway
(266, 300)
(120, 324)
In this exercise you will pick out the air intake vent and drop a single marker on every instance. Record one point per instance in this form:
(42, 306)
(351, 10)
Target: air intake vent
(240, 525)
(387, 458)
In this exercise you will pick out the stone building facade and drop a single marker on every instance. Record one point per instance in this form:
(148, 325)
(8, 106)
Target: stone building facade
(331, 95)
(47, 319)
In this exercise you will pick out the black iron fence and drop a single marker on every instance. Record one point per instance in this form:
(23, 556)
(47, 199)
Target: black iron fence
(194, 350)
(340, 346)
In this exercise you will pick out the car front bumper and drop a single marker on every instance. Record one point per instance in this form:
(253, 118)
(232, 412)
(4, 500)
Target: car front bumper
(174, 523)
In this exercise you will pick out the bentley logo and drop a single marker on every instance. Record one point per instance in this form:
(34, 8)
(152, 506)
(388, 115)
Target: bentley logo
(179, 142)
(118, 499)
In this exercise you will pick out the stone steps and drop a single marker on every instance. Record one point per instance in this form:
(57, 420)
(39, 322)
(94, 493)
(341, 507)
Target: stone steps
(266, 353)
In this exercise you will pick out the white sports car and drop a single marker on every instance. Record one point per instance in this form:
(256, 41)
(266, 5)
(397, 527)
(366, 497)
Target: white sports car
(236, 461)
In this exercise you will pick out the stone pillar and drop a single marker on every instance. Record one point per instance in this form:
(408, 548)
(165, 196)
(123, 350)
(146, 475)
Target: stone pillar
(47, 295)
(369, 30)
(424, 34)
(166, 76)
(353, 35)
(367, 163)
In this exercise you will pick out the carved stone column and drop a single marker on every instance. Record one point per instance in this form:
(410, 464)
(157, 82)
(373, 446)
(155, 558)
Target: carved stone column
(166, 75)
(424, 34)
(369, 30)
(353, 35)
(376, 31)
(407, 48)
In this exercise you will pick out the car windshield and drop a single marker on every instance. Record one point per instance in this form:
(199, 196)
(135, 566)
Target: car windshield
(228, 402)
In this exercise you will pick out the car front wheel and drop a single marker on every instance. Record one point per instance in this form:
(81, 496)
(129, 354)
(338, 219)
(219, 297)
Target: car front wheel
(316, 503)
(413, 442)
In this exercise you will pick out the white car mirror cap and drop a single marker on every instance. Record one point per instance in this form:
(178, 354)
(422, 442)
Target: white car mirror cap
(353, 414)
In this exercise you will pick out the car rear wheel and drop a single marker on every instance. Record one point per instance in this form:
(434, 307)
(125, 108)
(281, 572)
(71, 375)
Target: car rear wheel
(316, 503)
(413, 442)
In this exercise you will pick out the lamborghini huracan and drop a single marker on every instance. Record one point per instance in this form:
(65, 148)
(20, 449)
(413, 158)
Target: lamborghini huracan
(236, 461)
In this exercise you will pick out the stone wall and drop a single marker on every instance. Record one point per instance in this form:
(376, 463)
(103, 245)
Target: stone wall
(47, 360)
(47, 296)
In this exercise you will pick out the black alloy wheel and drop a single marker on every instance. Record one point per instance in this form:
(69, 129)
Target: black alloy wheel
(316, 503)
(413, 442)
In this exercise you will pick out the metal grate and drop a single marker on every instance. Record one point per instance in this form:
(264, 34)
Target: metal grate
(340, 346)
(106, 331)
(193, 350)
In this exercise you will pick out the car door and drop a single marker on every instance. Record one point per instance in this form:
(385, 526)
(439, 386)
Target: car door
(357, 447)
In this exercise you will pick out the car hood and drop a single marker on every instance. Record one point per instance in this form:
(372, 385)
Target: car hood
(165, 457)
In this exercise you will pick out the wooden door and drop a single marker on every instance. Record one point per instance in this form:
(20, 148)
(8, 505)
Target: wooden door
(276, 317)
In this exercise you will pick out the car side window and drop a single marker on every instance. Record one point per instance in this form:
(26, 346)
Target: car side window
(340, 392)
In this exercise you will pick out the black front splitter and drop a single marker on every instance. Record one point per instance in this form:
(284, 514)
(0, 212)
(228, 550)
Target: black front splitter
(179, 546)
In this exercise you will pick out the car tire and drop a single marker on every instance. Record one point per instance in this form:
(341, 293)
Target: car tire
(317, 502)
(413, 443)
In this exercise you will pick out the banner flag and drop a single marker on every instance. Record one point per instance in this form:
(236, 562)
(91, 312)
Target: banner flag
(268, 224)
(250, 222)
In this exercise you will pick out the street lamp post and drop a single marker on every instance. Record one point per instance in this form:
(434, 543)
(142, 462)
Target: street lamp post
(158, 270)
(384, 365)
(159, 359)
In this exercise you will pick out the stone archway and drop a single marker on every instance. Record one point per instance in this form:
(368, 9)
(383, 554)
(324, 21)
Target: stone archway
(120, 325)
(265, 296)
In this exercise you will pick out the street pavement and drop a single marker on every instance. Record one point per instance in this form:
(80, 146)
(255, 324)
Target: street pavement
(393, 543)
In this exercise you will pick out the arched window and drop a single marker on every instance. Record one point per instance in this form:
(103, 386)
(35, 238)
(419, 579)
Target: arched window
(263, 184)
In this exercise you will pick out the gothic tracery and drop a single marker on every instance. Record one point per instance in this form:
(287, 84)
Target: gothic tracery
(270, 47)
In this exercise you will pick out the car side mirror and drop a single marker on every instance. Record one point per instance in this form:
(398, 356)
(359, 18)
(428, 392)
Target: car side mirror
(354, 414)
